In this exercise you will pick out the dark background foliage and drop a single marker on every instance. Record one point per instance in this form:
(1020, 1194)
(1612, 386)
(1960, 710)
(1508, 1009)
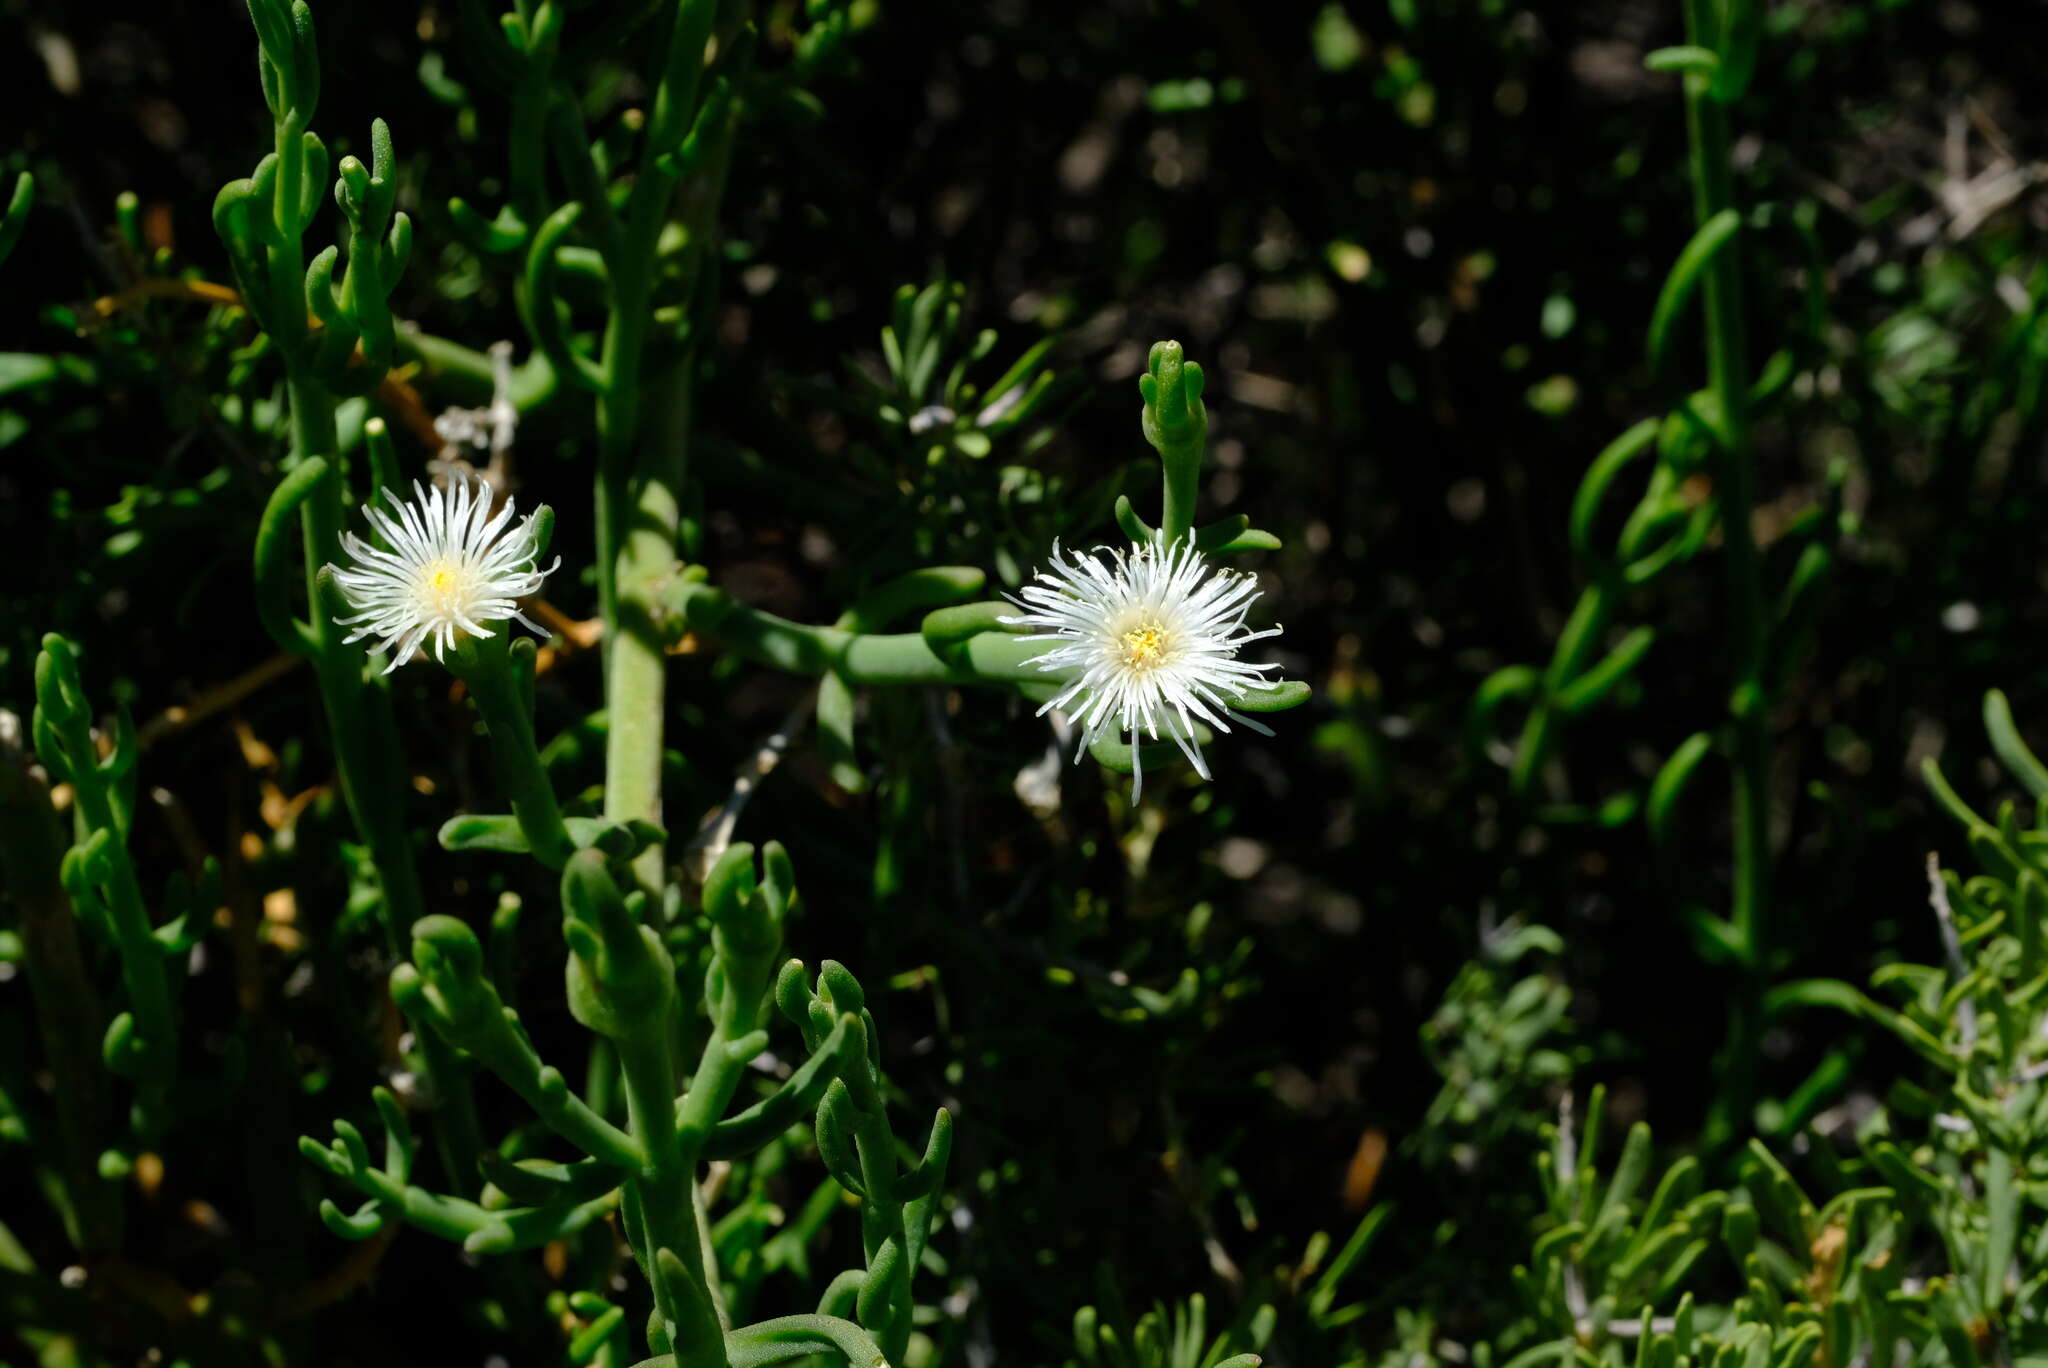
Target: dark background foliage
(1416, 242)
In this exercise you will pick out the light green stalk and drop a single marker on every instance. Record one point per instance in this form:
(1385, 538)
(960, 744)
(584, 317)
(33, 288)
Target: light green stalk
(639, 483)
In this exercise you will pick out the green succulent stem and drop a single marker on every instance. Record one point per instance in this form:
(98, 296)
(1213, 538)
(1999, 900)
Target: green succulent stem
(286, 317)
(882, 1225)
(1177, 425)
(665, 1188)
(100, 872)
(790, 1337)
(142, 972)
(639, 505)
(636, 665)
(486, 666)
(622, 985)
(1728, 380)
(688, 1123)
(988, 657)
(468, 372)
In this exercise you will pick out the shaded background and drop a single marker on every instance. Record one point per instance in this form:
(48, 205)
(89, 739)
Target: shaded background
(1416, 245)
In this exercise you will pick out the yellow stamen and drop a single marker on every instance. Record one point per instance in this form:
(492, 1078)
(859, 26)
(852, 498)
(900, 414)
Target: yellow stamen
(1143, 646)
(442, 584)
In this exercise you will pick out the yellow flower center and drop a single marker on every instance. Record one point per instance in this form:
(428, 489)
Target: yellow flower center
(1144, 646)
(443, 584)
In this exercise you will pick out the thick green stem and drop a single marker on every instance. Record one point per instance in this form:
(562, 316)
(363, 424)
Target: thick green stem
(634, 677)
(881, 1222)
(529, 126)
(857, 657)
(666, 1199)
(1183, 470)
(711, 1092)
(636, 664)
(719, 1071)
(791, 1336)
(286, 257)
(673, 1136)
(1728, 380)
(638, 509)
(495, 688)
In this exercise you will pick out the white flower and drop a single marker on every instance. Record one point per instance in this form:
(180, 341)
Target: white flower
(452, 567)
(1148, 639)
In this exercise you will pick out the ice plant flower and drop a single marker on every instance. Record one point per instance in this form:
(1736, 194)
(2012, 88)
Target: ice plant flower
(451, 569)
(1147, 640)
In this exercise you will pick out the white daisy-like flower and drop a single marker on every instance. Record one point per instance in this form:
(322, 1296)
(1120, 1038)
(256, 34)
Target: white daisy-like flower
(451, 569)
(1148, 639)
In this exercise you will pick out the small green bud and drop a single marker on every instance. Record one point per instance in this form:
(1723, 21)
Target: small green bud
(122, 1049)
(778, 880)
(839, 987)
(621, 978)
(456, 990)
(731, 884)
(352, 189)
(1172, 390)
(792, 994)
